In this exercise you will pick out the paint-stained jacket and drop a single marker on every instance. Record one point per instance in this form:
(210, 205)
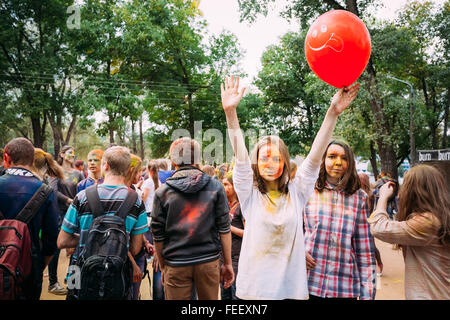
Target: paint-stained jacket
(189, 211)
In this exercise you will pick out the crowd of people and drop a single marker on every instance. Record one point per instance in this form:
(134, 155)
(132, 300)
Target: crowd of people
(260, 227)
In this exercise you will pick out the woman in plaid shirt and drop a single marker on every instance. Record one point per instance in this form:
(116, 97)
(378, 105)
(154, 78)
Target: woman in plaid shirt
(339, 246)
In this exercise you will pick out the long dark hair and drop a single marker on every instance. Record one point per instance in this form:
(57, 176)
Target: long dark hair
(365, 185)
(153, 167)
(424, 190)
(349, 182)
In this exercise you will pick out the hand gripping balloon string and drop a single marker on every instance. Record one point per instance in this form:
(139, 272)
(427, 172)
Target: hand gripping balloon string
(333, 38)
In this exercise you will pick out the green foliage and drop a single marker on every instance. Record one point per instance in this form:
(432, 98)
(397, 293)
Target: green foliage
(153, 58)
(414, 48)
(293, 109)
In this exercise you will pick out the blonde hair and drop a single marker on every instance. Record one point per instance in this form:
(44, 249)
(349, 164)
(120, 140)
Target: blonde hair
(134, 168)
(43, 160)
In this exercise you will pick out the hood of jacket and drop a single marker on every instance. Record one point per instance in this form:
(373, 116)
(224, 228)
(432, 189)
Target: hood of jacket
(188, 180)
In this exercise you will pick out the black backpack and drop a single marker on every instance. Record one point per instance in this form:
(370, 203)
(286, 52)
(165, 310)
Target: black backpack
(106, 272)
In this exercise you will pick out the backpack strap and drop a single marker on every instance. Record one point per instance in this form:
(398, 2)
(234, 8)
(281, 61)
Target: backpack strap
(97, 208)
(34, 204)
(127, 204)
(94, 201)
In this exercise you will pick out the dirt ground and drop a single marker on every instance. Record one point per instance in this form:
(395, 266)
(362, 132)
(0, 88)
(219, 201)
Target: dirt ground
(389, 285)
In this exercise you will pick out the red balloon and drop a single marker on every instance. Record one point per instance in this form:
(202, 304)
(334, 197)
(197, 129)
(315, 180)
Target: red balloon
(337, 47)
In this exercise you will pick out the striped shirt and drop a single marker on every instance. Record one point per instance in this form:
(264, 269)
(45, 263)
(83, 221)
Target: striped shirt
(79, 217)
(338, 237)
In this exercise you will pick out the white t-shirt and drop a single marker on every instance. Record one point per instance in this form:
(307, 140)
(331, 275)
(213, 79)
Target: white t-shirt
(148, 184)
(272, 262)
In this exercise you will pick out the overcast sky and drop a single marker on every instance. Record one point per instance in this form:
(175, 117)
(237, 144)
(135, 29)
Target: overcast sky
(254, 38)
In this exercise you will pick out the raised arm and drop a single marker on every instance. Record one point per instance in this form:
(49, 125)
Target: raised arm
(230, 99)
(341, 100)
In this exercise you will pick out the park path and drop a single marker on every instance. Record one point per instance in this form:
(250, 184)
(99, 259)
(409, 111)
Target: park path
(390, 286)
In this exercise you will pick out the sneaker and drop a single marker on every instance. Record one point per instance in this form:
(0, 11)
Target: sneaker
(380, 270)
(57, 289)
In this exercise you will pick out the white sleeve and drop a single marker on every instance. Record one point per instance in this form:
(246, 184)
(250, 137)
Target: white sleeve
(139, 192)
(243, 180)
(306, 178)
(148, 184)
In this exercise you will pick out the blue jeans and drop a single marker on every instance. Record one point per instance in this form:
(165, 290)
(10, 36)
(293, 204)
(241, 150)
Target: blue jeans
(158, 288)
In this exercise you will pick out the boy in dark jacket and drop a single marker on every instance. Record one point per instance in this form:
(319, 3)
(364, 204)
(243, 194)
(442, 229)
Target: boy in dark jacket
(190, 225)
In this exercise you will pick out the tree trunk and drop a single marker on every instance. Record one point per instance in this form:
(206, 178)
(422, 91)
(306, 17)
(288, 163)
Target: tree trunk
(38, 133)
(352, 6)
(373, 160)
(191, 115)
(388, 159)
(70, 130)
(111, 135)
(382, 128)
(55, 124)
(446, 112)
(141, 139)
(57, 140)
(381, 125)
(75, 137)
(133, 138)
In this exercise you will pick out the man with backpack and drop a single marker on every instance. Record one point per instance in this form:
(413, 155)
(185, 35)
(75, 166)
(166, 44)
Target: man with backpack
(104, 223)
(28, 224)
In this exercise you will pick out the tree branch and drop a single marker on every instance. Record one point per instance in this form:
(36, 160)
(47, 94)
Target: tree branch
(334, 4)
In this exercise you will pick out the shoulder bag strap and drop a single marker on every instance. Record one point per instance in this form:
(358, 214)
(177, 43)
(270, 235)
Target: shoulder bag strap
(93, 200)
(34, 204)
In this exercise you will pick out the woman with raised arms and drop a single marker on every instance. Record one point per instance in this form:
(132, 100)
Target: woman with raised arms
(272, 262)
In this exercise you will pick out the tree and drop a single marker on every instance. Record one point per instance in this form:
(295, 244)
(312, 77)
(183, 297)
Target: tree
(33, 59)
(292, 108)
(430, 71)
(38, 67)
(183, 74)
(395, 49)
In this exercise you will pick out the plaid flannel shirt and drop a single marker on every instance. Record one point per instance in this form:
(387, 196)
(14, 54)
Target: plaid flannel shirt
(337, 235)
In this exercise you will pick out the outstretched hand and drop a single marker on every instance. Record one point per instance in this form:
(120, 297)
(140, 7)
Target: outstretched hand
(342, 99)
(230, 93)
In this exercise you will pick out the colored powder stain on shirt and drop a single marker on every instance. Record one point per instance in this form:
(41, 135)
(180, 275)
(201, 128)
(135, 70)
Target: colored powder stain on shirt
(276, 201)
(190, 214)
(271, 204)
